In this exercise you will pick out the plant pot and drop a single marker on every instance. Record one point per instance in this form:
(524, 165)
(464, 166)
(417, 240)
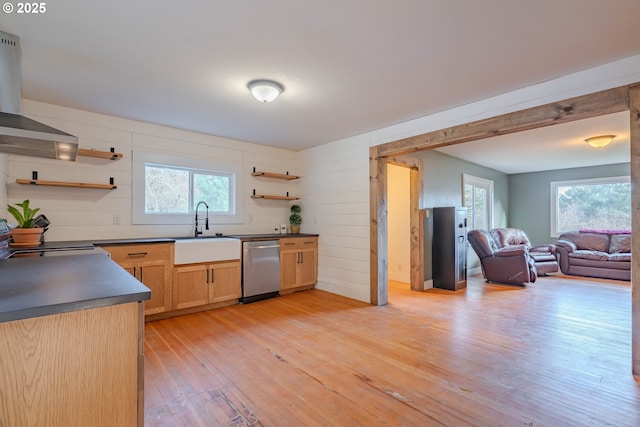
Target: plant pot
(26, 236)
(295, 229)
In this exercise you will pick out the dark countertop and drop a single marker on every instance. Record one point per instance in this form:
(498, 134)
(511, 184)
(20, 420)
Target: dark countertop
(51, 246)
(131, 241)
(144, 240)
(271, 236)
(40, 286)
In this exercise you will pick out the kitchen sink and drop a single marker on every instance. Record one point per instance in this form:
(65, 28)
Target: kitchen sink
(205, 249)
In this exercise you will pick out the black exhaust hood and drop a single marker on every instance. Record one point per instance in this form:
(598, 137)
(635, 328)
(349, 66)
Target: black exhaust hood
(18, 134)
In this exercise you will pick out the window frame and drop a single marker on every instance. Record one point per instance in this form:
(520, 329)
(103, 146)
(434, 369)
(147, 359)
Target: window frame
(478, 181)
(194, 165)
(554, 185)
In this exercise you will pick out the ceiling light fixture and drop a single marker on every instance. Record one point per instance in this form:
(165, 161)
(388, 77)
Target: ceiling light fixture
(600, 141)
(265, 90)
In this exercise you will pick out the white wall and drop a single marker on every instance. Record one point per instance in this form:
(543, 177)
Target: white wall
(79, 213)
(344, 262)
(398, 204)
(335, 204)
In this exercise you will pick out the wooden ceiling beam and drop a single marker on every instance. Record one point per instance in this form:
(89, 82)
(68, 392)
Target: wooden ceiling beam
(578, 108)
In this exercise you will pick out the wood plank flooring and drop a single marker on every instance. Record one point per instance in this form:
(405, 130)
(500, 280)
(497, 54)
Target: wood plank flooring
(553, 353)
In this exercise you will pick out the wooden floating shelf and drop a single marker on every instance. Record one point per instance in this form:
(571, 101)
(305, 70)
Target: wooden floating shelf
(66, 184)
(274, 175)
(264, 196)
(109, 155)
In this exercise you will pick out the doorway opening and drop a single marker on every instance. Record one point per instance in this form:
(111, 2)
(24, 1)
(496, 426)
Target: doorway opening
(399, 247)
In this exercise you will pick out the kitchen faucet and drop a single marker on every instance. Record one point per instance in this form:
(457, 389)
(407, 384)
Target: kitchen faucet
(206, 221)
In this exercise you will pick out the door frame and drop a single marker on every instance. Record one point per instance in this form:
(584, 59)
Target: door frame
(623, 98)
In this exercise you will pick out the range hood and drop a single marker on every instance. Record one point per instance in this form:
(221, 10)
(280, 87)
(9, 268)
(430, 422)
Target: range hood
(19, 134)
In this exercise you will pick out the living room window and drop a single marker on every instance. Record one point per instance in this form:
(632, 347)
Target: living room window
(478, 199)
(167, 189)
(600, 203)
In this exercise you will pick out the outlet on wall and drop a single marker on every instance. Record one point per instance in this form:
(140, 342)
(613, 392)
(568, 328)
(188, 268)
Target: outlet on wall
(116, 219)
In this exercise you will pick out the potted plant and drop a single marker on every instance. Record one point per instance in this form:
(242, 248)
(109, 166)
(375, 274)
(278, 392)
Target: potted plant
(295, 219)
(26, 233)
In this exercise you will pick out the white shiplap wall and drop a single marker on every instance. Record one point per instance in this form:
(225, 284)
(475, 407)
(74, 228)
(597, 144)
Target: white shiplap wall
(78, 213)
(335, 204)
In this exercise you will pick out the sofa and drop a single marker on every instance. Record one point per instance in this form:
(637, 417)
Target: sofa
(544, 256)
(604, 254)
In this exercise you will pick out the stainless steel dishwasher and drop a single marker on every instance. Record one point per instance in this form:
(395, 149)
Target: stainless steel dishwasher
(260, 270)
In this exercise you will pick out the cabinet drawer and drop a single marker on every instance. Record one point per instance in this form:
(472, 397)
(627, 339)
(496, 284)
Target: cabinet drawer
(289, 243)
(308, 242)
(142, 252)
(298, 242)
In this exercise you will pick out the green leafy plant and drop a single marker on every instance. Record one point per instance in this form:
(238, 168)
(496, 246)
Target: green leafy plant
(26, 218)
(295, 218)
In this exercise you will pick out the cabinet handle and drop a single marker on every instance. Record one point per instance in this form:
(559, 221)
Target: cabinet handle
(135, 274)
(137, 254)
(141, 273)
(212, 277)
(207, 275)
(301, 257)
(290, 244)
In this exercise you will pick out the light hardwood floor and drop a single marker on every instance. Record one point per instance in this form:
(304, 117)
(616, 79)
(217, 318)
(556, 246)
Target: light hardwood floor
(553, 353)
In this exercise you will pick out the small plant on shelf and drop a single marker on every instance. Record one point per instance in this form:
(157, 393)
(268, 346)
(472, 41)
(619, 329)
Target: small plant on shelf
(295, 219)
(26, 218)
(26, 233)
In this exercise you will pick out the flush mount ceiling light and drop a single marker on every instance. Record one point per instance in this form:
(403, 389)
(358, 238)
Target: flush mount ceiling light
(600, 141)
(265, 90)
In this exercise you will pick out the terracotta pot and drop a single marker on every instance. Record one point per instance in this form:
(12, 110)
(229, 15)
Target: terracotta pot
(295, 229)
(26, 236)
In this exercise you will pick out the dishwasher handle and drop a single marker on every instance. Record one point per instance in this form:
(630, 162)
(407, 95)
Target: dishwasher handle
(263, 247)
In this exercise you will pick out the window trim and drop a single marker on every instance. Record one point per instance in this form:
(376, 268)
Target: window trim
(553, 193)
(142, 158)
(476, 180)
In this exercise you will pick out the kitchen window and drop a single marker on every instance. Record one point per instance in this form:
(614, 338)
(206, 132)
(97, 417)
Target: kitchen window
(167, 189)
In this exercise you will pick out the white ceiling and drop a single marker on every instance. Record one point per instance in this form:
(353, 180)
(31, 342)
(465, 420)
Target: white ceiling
(348, 66)
(552, 147)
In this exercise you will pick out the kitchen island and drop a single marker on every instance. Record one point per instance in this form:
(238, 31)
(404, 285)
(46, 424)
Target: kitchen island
(72, 334)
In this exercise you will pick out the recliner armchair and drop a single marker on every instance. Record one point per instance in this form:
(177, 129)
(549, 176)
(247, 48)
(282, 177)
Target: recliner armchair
(511, 264)
(544, 256)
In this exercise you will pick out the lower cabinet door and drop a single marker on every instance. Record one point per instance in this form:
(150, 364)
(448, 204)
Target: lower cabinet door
(190, 287)
(155, 276)
(308, 267)
(288, 269)
(225, 281)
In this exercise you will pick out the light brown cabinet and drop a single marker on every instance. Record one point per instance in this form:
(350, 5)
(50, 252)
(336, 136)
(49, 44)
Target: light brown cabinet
(151, 263)
(298, 263)
(81, 368)
(207, 283)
